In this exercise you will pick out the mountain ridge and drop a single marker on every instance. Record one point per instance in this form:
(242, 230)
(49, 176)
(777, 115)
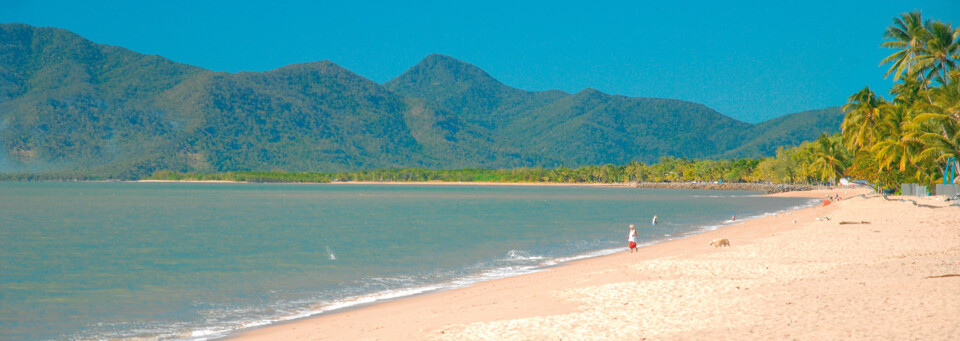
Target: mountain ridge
(71, 105)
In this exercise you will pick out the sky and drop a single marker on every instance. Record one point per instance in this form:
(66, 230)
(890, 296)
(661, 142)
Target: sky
(749, 60)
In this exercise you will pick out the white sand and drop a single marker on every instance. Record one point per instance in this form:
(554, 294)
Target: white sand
(896, 278)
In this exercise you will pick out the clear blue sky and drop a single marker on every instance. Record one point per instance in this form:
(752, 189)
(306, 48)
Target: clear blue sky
(749, 60)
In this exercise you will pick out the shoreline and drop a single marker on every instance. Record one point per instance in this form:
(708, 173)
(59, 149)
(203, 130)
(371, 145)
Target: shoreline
(432, 183)
(723, 186)
(730, 186)
(191, 181)
(458, 313)
(440, 288)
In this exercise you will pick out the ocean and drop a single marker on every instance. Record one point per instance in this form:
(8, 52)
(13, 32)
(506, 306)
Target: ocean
(99, 260)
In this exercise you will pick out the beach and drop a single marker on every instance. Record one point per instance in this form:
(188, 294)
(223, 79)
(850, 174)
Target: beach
(877, 269)
(768, 188)
(205, 260)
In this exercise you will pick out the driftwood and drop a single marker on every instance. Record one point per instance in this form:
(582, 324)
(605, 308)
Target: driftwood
(944, 276)
(854, 222)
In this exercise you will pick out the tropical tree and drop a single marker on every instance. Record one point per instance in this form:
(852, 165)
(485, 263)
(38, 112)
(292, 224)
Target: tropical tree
(830, 158)
(947, 97)
(908, 34)
(919, 132)
(940, 122)
(791, 165)
(940, 147)
(938, 52)
(909, 92)
(859, 127)
(898, 146)
(635, 171)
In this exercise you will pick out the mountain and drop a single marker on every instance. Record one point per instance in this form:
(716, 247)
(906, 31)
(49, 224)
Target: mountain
(67, 103)
(765, 137)
(298, 117)
(71, 106)
(589, 127)
(468, 91)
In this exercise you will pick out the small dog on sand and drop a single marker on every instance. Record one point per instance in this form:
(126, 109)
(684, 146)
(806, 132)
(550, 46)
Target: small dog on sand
(720, 242)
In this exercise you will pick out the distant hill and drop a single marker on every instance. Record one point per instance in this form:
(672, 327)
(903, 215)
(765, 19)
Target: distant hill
(468, 91)
(764, 138)
(69, 104)
(591, 127)
(72, 106)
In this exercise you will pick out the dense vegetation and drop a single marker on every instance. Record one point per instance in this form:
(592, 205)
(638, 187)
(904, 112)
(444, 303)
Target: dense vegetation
(912, 138)
(74, 109)
(668, 169)
(915, 136)
(591, 127)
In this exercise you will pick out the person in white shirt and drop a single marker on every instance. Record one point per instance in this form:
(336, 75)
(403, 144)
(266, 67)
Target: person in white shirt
(632, 239)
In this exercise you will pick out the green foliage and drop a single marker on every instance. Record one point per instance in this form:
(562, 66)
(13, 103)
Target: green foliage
(590, 127)
(829, 158)
(913, 137)
(788, 131)
(669, 169)
(71, 108)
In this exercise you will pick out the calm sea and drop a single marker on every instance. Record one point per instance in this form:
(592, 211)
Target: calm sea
(198, 260)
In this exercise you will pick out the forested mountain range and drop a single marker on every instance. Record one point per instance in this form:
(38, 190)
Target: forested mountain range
(72, 106)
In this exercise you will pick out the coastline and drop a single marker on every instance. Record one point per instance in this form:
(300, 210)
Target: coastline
(190, 181)
(723, 186)
(781, 278)
(432, 183)
(729, 186)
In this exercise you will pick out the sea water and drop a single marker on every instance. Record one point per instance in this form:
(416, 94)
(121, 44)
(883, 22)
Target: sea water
(199, 260)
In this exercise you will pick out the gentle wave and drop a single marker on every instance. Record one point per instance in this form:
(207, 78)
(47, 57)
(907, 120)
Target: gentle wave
(726, 196)
(517, 255)
(519, 262)
(458, 282)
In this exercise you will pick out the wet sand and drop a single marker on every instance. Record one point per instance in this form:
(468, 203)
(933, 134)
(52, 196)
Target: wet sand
(877, 269)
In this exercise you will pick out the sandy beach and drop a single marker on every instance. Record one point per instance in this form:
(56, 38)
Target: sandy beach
(861, 268)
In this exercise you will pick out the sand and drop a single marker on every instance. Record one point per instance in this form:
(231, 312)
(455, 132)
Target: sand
(891, 271)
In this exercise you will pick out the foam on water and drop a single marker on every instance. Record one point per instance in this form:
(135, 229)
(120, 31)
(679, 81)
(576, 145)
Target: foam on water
(460, 282)
(262, 254)
(536, 263)
(521, 256)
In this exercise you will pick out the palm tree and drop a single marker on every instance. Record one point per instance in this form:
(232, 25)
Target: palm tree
(634, 171)
(907, 34)
(830, 158)
(898, 145)
(947, 97)
(936, 57)
(940, 146)
(863, 114)
(941, 124)
(909, 92)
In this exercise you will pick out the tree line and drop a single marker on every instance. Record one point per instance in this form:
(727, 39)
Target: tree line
(913, 137)
(668, 169)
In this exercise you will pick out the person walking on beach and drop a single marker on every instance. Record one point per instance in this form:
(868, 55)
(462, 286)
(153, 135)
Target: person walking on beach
(632, 239)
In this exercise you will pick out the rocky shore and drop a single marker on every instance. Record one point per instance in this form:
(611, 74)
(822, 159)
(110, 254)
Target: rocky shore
(742, 186)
